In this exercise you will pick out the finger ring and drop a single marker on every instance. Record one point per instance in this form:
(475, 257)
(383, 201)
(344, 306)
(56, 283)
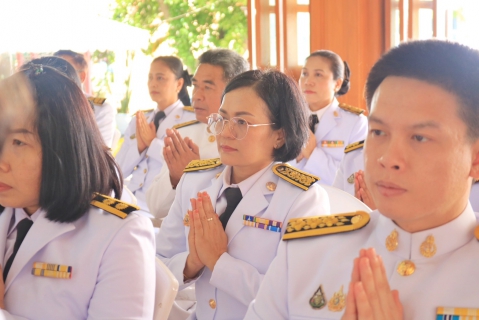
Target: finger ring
(209, 219)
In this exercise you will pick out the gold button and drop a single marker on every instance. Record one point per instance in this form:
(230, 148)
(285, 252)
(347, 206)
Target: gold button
(406, 268)
(146, 156)
(135, 168)
(336, 114)
(212, 304)
(144, 171)
(177, 116)
(271, 186)
(211, 139)
(141, 184)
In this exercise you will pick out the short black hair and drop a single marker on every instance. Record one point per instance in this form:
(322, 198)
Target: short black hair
(339, 68)
(232, 63)
(59, 64)
(76, 163)
(448, 65)
(176, 66)
(77, 57)
(286, 105)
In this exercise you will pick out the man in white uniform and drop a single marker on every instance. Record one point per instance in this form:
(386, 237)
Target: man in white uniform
(421, 157)
(104, 111)
(215, 69)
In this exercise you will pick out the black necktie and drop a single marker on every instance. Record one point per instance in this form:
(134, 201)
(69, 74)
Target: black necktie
(158, 116)
(22, 230)
(233, 197)
(313, 121)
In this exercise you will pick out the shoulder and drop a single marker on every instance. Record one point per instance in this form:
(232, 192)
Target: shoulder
(97, 100)
(113, 206)
(186, 124)
(354, 146)
(350, 109)
(315, 226)
(203, 165)
(296, 177)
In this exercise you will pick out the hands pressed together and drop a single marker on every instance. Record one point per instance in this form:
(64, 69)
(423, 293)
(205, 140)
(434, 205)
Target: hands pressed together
(178, 152)
(361, 191)
(145, 132)
(207, 239)
(369, 296)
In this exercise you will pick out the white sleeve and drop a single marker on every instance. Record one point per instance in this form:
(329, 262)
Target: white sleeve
(160, 195)
(105, 118)
(125, 287)
(128, 156)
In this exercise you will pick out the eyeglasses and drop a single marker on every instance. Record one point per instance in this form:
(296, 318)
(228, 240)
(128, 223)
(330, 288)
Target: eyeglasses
(238, 126)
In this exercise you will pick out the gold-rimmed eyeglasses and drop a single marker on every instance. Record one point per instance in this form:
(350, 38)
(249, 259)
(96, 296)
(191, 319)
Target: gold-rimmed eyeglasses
(238, 126)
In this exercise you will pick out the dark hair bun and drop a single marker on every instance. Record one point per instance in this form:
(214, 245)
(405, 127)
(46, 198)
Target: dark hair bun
(346, 84)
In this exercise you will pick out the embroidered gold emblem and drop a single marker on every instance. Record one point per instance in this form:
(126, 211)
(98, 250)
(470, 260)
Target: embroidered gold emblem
(353, 146)
(406, 268)
(186, 220)
(351, 109)
(121, 206)
(294, 176)
(271, 186)
(318, 300)
(351, 178)
(203, 164)
(322, 225)
(109, 201)
(428, 247)
(337, 302)
(392, 241)
(114, 206)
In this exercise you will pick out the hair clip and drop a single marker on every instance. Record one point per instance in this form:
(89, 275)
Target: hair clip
(38, 69)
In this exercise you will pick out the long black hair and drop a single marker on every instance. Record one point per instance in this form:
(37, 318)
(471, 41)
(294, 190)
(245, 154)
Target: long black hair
(75, 161)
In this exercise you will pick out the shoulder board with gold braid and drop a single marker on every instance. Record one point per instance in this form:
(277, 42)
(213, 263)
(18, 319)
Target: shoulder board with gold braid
(322, 225)
(97, 100)
(351, 109)
(114, 206)
(294, 176)
(354, 146)
(189, 108)
(202, 164)
(185, 124)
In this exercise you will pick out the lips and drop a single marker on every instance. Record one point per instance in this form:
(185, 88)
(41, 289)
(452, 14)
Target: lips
(309, 92)
(4, 187)
(226, 148)
(154, 92)
(389, 189)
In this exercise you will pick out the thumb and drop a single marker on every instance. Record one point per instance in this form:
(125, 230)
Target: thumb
(193, 146)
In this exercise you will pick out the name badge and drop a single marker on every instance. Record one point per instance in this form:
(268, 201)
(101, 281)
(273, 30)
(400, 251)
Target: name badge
(332, 143)
(456, 313)
(261, 223)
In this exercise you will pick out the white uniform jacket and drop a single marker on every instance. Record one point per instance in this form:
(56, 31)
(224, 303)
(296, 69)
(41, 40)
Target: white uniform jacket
(239, 272)
(443, 280)
(352, 162)
(336, 129)
(474, 197)
(145, 166)
(105, 116)
(113, 266)
(160, 195)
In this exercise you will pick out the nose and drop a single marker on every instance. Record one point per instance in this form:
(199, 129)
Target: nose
(227, 132)
(393, 156)
(4, 166)
(197, 95)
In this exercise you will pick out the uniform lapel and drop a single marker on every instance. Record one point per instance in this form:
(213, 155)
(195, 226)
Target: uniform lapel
(5, 219)
(328, 122)
(253, 202)
(214, 188)
(42, 232)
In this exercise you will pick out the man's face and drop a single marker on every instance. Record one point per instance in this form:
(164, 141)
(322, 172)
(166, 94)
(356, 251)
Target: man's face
(418, 159)
(81, 72)
(208, 87)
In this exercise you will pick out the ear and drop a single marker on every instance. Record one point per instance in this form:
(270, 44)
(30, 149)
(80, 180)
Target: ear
(82, 75)
(338, 85)
(279, 139)
(179, 84)
(475, 161)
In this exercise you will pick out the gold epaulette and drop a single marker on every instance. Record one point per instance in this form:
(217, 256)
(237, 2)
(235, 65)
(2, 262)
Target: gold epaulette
(98, 101)
(189, 108)
(354, 146)
(321, 225)
(202, 164)
(114, 206)
(294, 176)
(185, 124)
(351, 109)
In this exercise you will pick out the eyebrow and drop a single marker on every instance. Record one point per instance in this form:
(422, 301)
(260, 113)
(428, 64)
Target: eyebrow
(240, 113)
(205, 81)
(421, 125)
(22, 130)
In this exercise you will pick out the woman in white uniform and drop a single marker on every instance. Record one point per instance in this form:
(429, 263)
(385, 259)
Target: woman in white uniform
(325, 77)
(141, 154)
(68, 249)
(421, 156)
(228, 216)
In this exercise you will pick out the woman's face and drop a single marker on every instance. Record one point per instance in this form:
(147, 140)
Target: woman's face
(317, 82)
(21, 166)
(162, 84)
(255, 150)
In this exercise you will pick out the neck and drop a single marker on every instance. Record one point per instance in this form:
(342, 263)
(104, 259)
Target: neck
(315, 106)
(163, 104)
(239, 173)
(31, 210)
